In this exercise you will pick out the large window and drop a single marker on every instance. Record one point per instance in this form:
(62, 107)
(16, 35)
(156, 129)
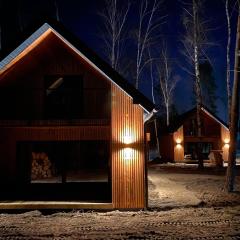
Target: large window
(70, 161)
(63, 97)
(191, 148)
(63, 170)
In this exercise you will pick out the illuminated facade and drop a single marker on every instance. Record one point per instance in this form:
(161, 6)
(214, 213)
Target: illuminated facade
(179, 143)
(72, 128)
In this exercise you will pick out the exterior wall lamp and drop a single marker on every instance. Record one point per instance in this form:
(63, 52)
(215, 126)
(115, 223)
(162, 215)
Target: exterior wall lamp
(178, 143)
(127, 139)
(127, 149)
(226, 143)
(179, 146)
(127, 153)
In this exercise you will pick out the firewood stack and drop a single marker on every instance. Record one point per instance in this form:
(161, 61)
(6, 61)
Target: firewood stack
(41, 166)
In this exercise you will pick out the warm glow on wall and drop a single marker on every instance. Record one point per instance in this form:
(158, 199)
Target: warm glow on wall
(127, 139)
(178, 146)
(127, 153)
(226, 145)
(226, 141)
(178, 140)
(127, 135)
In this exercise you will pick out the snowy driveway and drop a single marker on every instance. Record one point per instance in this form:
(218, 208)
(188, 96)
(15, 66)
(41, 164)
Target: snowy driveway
(174, 186)
(166, 193)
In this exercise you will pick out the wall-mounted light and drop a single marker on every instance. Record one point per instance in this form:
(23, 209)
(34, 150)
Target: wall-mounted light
(178, 146)
(127, 153)
(178, 140)
(226, 140)
(226, 145)
(127, 139)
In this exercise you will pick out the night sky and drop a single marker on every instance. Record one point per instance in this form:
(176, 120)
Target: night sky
(81, 17)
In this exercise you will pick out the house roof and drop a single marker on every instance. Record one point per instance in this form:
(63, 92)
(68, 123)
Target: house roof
(181, 118)
(81, 49)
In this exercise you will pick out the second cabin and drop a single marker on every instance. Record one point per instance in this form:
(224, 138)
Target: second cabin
(178, 142)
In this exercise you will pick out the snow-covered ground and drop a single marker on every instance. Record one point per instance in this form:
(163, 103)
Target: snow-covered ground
(185, 204)
(180, 223)
(184, 185)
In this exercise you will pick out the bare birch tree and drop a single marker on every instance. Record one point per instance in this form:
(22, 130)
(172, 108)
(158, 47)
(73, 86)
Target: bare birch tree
(167, 82)
(114, 21)
(151, 69)
(150, 20)
(228, 60)
(195, 43)
(231, 170)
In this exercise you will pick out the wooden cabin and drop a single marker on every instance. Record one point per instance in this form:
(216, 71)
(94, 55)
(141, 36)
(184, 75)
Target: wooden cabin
(72, 129)
(178, 142)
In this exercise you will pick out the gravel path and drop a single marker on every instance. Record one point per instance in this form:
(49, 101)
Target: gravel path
(182, 223)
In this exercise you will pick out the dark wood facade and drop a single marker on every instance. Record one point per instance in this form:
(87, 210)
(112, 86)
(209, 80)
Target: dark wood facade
(103, 112)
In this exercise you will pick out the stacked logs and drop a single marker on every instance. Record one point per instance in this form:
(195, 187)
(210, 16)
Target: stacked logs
(41, 166)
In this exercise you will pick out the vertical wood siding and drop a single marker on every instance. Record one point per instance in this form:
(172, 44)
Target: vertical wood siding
(225, 137)
(178, 140)
(127, 159)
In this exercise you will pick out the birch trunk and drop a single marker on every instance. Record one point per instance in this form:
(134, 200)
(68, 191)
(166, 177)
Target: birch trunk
(197, 82)
(146, 34)
(231, 170)
(114, 17)
(113, 62)
(167, 110)
(228, 62)
(156, 135)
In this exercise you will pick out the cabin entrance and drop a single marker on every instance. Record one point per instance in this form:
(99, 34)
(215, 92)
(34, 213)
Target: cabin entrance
(191, 149)
(64, 170)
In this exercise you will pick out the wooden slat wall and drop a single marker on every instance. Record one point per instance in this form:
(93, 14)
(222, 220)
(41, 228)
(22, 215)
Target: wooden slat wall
(56, 133)
(127, 160)
(178, 141)
(225, 137)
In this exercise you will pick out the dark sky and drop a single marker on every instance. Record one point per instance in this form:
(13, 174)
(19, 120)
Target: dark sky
(81, 17)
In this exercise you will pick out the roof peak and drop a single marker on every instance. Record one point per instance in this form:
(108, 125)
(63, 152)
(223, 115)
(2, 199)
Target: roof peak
(81, 49)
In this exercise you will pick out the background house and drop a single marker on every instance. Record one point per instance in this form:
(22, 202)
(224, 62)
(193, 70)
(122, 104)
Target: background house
(71, 127)
(180, 138)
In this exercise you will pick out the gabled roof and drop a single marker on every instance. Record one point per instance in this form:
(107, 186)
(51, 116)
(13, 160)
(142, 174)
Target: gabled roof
(82, 50)
(181, 118)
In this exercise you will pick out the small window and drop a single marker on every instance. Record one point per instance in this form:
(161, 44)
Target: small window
(63, 97)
